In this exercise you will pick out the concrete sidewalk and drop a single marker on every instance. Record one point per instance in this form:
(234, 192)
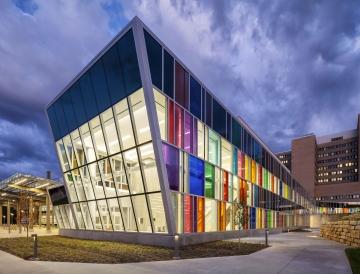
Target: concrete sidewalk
(294, 252)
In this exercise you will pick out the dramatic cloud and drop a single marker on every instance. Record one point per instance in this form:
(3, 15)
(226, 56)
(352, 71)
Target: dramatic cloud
(287, 67)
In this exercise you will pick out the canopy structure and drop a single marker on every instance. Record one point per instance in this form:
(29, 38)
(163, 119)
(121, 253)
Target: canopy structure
(25, 184)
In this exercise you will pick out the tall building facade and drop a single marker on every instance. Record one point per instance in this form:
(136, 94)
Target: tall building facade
(147, 151)
(328, 166)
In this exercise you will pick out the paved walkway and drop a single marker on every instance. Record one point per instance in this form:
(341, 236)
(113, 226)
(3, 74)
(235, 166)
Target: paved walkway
(294, 252)
(14, 232)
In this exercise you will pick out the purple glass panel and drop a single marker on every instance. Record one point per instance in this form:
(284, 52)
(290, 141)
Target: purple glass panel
(171, 159)
(195, 138)
(188, 133)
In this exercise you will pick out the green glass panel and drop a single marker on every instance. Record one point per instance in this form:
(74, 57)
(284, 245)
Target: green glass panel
(209, 180)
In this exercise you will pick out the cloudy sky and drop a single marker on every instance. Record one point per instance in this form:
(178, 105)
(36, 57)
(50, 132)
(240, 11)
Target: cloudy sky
(287, 67)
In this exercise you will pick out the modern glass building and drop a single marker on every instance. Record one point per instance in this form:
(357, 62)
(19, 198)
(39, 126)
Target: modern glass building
(147, 152)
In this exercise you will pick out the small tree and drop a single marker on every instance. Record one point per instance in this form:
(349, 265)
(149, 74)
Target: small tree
(240, 215)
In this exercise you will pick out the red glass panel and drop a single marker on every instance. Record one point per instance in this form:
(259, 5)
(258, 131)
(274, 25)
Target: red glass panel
(179, 122)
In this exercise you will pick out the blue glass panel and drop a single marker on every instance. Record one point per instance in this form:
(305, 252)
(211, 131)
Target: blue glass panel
(88, 96)
(78, 104)
(228, 126)
(53, 122)
(168, 74)
(61, 118)
(171, 159)
(129, 62)
(203, 104)
(219, 118)
(100, 86)
(68, 108)
(114, 75)
(252, 218)
(195, 97)
(196, 176)
(154, 52)
(208, 109)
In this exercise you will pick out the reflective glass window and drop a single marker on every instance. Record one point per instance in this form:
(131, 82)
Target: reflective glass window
(195, 97)
(127, 213)
(110, 132)
(214, 148)
(107, 178)
(171, 159)
(168, 74)
(211, 221)
(188, 214)
(219, 118)
(115, 214)
(104, 215)
(154, 52)
(78, 147)
(148, 163)
(78, 104)
(160, 102)
(218, 184)
(133, 171)
(95, 216)
(124, 125)
(196, 176)
(226, 155)
(87, 184)
(86, 215)
(100, 86)
(157, 212)
(181, 86)
(70, 186)
(114, 76)
(129, 62)
(98, 138)
(66, 102)
(70, 216)
(64, 216)
(119, 174)
(58, 217)
(87, 143)
(70, 152)
(96, 180)
(78, 216)
(78, 185)
(141, 213)
(62, 155)
(188, 133)
(88, 96)
(141, 121)
(177, 206)
(200, 140)
(208, 109)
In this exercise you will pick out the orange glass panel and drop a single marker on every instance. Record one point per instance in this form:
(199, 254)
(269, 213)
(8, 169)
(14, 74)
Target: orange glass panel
(200, 215)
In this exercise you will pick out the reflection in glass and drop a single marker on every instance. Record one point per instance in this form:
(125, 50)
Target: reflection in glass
(118, 170)
(107, 178)
(115, 214)
(87, 143)
(148, 164)
(96, 180)
(62, 155)
(87, 184)
(110, 133)
(160, 102)
(127, 214)
(78, 185)
(78, 147)
(133, 171)
(124, 125)
(70, 152)
(71, 187)
(141, 120)
(104, 215)
(95, 216)
(141, 213)
(157, 212)
(78, 216)
(99, 142)
(86, 215)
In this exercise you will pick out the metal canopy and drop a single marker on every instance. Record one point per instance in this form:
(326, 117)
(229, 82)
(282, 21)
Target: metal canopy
(12, 187)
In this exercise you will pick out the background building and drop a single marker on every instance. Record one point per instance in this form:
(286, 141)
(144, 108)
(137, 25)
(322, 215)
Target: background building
(328, 166)
(147, 151)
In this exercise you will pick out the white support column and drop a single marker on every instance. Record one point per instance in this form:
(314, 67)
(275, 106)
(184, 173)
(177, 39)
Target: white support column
(153, 121)
(8, 215)
(48, 228)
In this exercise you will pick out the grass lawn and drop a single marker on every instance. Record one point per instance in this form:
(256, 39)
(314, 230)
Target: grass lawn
(64, 249)
(353, 255)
